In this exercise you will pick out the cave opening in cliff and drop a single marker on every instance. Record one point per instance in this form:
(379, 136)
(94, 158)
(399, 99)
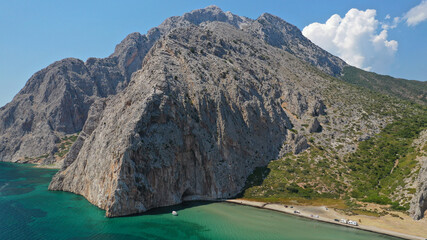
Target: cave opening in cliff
(187, 193)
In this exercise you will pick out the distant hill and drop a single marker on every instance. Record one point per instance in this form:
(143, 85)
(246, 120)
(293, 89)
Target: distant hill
(411, 90)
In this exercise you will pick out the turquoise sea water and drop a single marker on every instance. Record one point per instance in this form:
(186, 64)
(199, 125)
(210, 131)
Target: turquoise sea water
(29, 211)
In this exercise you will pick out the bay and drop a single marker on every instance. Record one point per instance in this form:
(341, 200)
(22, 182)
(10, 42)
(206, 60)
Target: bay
(29, 211)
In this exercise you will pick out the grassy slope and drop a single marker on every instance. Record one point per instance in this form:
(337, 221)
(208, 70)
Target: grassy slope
(364, 175)
(319, 174)
(405, 89)
(380, 164)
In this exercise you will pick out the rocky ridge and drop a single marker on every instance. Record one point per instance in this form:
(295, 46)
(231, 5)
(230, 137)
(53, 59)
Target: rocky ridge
(415, 91)
(56, 100)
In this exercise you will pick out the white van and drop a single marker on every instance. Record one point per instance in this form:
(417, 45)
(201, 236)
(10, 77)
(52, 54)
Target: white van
(354, 223)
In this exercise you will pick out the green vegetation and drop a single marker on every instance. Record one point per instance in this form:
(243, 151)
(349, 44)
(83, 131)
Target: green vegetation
(380, 164)
(298, 177)
(367, 212)
(410, 90)
(371, 174)
(293, 130)
(376, 171)
(65, 145)
(43, 156)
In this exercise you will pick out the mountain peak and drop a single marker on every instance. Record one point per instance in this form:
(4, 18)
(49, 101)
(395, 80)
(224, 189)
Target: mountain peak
(213, 8)
(269, 16)
(210, 13)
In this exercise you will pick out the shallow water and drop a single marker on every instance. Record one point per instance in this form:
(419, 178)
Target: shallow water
(29, 211)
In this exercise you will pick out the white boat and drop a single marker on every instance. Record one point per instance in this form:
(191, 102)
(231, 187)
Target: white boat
(174, 213)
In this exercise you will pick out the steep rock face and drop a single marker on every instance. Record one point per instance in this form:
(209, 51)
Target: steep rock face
(192, 124)
(92, 121)
(419, 202)
(418, 206)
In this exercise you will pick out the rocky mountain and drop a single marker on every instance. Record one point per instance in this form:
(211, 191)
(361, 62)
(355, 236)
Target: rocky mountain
(193, 108)
(56, 100)
(210, 104)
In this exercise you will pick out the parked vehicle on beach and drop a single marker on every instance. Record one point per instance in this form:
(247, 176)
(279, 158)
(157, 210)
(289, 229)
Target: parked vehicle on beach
(354, 223)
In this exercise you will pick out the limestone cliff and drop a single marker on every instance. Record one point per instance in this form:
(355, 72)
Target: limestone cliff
(419, 200)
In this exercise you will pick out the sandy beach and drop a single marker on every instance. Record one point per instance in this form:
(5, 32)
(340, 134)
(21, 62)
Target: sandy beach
(51, 166)
(405, 228)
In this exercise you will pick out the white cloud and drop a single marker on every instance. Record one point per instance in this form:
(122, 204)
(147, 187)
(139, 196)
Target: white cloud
(390, 24)
(417, 14)
(355, 39)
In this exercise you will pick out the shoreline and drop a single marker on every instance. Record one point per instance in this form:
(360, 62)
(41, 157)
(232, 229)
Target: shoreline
(56, 165)
(51, 166)
(305, 213)
(308, 212)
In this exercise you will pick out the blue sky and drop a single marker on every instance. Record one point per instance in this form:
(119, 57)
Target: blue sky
(33, 34)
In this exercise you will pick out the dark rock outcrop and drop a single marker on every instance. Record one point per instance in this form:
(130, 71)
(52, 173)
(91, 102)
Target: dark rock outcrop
(295, 144)
(315, 126)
